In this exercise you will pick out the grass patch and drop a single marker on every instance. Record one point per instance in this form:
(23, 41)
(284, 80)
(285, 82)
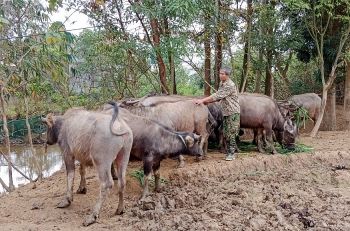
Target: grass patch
(139, 174)
(298, 148)
(247, 147)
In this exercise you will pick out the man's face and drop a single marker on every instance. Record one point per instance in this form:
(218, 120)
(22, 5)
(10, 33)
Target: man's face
(223, 76)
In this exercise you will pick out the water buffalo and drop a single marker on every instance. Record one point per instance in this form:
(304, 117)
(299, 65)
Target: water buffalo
(179, 115)
(263, 113)
(92, 138)
(310, 101)
(154, 142)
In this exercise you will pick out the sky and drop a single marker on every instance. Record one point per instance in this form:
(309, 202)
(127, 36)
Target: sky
(74, 22)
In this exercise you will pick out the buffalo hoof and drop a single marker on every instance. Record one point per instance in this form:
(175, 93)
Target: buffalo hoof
(181, 164)
(199, 158)
(90, 220)
(159, 189)
(119, 212)
(63, 204)
(144, 195)
(82, 191)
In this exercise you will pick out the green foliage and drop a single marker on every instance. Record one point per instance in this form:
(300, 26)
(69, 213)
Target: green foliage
(300, 115)
(247, 147)
(298, 148)
(299, 87)
(139, 174)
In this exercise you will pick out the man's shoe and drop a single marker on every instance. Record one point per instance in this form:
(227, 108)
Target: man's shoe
(224, 158)
(229, 156)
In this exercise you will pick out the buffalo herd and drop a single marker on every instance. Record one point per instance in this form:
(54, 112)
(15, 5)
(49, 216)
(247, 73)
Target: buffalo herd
(156, 127)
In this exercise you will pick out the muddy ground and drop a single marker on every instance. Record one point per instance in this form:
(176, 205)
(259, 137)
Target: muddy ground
(303, 191)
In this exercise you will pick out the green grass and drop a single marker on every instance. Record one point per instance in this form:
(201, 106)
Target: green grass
(139, 174)
(248, 147)
(298, 148)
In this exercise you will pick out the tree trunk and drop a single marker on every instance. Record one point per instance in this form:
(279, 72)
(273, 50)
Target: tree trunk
(246, 58)
(172, 74)
(232, 61)
(218, 48)
(161, 65)
(269, 81)
(320, 116)
(329, 117)
(269, 76)
(7, 137)
(207, 51)
(347, 98)
(259, 73)
(35, 157)
(260, 57)
(167, 33)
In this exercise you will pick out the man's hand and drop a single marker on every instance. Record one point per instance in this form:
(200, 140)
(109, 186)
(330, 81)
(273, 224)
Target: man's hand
(198, 101)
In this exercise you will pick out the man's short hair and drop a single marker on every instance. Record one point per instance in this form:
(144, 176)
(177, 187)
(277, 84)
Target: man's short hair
(226, 69)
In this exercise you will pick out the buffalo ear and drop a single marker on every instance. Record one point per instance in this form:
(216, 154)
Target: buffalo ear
(197, 137)
(288, 125)
(189, 141)
(49, 120)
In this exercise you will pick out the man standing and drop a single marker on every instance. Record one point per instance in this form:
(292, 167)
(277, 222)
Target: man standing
(227, 94)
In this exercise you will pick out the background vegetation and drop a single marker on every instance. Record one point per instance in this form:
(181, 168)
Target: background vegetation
(277, 48)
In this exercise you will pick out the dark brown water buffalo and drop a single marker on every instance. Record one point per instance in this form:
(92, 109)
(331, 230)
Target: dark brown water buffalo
(310, 101)
(179, 115)
(154, 142)
(262, 113)
(92, 138)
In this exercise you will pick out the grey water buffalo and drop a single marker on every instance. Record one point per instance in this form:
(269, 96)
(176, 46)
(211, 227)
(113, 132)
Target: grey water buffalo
(154, 142)
(179, 115)
(262, 113)
(310, 101)
(94, 139)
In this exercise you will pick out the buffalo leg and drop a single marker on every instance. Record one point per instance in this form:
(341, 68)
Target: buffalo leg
(122, 163)
(270, 141)
(204, 143)
(258, 140)
(156, 173)
(256, 136)
(82, 186)
(181, 161)
(147, 168)
(70, 168)
(106, 183)
(114, 174)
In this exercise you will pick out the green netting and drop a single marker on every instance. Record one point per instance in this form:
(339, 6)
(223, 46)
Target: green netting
(18, 128)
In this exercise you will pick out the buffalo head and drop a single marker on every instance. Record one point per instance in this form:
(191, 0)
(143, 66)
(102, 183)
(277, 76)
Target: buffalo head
(287, 137)
(53, 124)
(192, 142)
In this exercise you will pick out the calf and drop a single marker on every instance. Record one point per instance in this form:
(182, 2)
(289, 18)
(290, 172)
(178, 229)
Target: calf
(154, 142)
(179, 115)
(96, 139)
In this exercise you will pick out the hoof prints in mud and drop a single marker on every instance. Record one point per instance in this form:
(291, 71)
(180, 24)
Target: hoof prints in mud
(302, 214)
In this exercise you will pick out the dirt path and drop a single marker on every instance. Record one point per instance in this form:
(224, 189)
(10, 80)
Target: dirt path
(304, 191)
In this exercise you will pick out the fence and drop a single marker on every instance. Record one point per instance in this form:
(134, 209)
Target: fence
(18, 128)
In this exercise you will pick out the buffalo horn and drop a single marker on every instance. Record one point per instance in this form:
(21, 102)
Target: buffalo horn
(189, 141)
(42, 119)
(288, 125)
(130, 102)
(197, 137)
